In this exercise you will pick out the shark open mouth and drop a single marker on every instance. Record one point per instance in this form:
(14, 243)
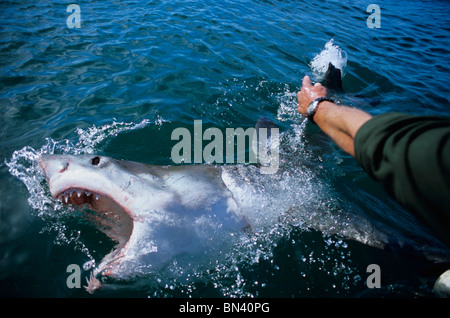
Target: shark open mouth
(108, 216)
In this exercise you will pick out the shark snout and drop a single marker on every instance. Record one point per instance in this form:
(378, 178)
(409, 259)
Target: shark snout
(53, 164)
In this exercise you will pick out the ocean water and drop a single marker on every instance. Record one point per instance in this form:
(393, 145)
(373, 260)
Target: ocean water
(136, 70)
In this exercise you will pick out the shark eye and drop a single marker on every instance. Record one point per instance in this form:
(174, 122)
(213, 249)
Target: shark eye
(95, 161)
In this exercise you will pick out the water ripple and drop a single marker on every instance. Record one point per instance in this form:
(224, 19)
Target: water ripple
(227, 62)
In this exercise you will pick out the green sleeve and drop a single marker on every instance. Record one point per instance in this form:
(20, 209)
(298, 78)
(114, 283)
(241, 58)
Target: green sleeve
(410, 156)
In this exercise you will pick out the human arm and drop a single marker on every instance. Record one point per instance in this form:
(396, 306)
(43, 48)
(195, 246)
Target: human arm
(409, 155)
(340, 123)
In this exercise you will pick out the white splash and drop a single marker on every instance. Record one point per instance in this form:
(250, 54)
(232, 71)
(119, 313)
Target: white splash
(298, 186)
(331, 53)
(24, 166)
(90, 138)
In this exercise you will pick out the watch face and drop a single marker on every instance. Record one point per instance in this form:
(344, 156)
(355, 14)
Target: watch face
(311, 108)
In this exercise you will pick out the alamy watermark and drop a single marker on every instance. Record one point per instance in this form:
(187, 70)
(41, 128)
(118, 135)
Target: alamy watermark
(74, 279)
(374, 279)
(74, 19)
(262, 147)
(374, 20)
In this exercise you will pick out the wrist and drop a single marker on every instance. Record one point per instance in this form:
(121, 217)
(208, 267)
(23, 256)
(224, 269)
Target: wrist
(313, 107)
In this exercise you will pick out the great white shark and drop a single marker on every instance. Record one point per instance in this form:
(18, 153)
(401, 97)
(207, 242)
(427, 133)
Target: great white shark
(157, 213)
(153, 213)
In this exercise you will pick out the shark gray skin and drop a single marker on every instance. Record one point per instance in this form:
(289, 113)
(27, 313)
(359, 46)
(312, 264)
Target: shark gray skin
(156, 213)
(160, 213)
(333, 78)
(189, 213)
(153, 213)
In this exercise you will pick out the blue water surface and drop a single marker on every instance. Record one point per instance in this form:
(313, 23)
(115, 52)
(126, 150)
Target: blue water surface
(226, 63)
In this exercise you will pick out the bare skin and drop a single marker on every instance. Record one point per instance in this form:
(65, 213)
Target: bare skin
(340, 123)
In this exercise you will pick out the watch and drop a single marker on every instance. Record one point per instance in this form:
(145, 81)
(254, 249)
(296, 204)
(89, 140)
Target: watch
(312, 108)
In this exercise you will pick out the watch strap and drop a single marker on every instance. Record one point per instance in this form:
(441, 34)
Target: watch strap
(313, 106)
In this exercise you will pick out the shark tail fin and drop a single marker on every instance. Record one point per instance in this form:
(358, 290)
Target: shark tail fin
(333, 78)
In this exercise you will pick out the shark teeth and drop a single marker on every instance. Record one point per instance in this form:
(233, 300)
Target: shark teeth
(77, 196)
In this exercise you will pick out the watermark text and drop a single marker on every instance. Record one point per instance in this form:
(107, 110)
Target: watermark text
(74, 19)
(374, 20)
(262, 146)
(374, 279)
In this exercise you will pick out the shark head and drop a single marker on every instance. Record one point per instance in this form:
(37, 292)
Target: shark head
(85, 182)
(153, 213)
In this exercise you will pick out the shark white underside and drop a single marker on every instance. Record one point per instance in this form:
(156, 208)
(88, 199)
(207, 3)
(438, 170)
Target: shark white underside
(154, 213)
(158, 213)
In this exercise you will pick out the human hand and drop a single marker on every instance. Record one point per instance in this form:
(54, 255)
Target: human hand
(309, 93)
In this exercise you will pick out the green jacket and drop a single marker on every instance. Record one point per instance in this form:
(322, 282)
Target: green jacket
(410, 156)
